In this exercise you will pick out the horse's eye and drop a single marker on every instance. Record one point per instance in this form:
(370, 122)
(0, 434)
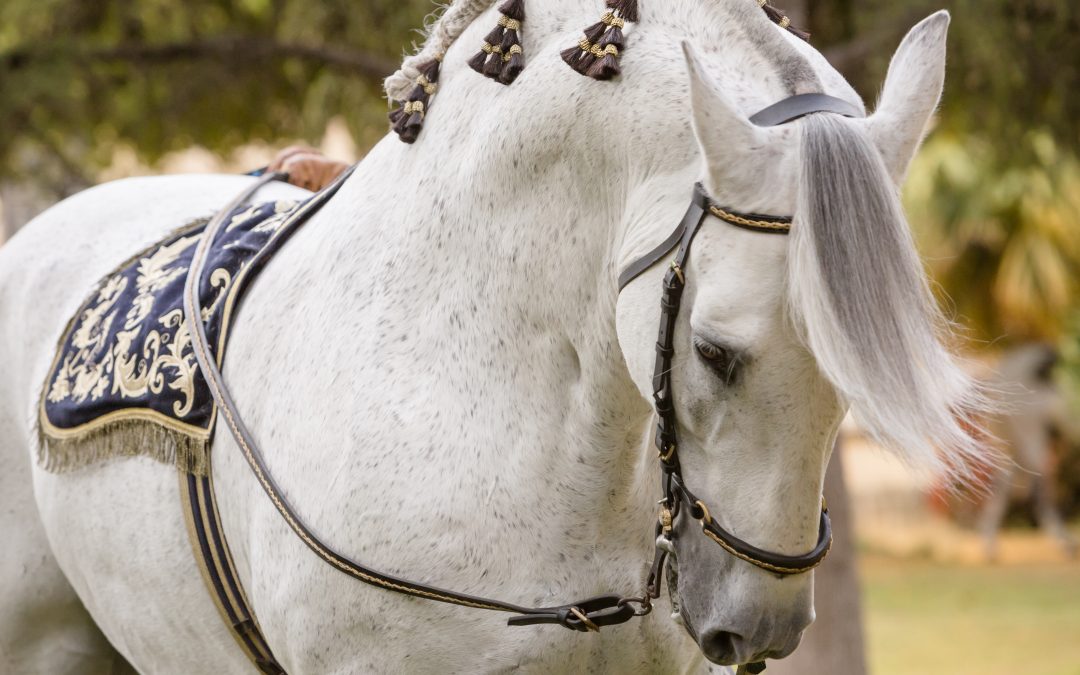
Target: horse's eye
(722, 360)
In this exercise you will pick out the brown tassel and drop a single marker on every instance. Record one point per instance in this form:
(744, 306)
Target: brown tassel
(627, 9)
(608, 65)
(597, 55)
(477, 62)
(586, 60)
(493, 67)
(513, 9)
(408, 120)
(510, 38)
(612, 37)
(607, 51)
(496, 35)
(573, 55)
(515, 63)
(501, 57)
(593, 32)
(777, 17)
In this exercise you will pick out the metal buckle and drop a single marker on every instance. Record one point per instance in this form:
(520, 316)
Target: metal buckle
(678, 272)
(665, 520)
(585, 619)
(706, 517)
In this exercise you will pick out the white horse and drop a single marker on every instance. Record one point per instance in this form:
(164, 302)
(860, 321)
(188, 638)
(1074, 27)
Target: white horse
(450, 388)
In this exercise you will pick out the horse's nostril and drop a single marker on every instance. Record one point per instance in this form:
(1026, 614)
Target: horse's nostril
(720, 646)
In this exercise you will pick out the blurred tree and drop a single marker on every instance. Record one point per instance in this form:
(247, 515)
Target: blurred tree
(1003, 239)
(993, 197)
(80, 78)
(1013, 64)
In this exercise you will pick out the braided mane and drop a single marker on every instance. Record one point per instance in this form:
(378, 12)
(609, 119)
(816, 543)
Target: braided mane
(415, 83)
(442, 30)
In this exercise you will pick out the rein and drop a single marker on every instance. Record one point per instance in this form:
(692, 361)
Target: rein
(585, 615)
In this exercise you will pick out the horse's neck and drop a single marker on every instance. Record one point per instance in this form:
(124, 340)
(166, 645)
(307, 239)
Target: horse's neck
(472, 276)
(490, 248)
(495, 273)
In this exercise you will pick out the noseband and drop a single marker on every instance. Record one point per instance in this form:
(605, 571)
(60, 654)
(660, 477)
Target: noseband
(593, 613)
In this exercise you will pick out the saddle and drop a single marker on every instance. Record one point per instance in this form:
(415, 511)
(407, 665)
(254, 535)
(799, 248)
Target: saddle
(125, 380)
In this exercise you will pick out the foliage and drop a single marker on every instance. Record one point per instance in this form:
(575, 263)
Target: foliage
(81, 77)
(1013, 64)
(1002, 237)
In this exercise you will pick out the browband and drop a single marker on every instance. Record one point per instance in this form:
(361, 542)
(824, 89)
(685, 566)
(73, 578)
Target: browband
(790, 109)
(701, 206)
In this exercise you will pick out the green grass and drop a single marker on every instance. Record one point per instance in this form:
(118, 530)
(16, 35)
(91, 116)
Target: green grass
(924, 617)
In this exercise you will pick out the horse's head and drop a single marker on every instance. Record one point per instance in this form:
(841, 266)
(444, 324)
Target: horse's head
(779, 335)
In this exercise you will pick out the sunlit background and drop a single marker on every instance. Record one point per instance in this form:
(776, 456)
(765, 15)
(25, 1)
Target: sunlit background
(91, 91)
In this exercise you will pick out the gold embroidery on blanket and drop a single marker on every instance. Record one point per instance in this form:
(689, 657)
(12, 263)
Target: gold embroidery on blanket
(165, 357)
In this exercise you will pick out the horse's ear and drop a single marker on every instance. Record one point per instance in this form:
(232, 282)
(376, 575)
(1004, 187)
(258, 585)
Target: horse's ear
(911, 94)
(725, 134)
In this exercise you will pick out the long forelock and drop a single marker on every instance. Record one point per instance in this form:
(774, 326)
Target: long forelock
(859, 294)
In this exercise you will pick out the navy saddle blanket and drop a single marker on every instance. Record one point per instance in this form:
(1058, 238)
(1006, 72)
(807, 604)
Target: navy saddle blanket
(125, 380)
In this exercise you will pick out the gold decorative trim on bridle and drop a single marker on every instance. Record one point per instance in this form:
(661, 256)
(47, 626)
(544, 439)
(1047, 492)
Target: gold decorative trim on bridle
(780, 225)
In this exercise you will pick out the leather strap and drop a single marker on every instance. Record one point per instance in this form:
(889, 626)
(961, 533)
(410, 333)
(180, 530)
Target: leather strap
(700, 207)
(666, 437)
(801, 105)
(208, 539)
(638, 267)
(767, 560)
(219, 573)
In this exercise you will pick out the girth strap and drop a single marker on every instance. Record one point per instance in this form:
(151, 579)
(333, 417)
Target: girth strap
(218, 572)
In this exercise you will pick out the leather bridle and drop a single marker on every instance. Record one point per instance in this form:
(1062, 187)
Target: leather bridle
(600, 611)
(676, 494)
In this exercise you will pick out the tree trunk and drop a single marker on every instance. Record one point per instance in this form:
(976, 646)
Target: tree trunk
(834, 644)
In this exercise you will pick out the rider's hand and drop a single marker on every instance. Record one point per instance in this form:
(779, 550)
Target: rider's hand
(307, 167)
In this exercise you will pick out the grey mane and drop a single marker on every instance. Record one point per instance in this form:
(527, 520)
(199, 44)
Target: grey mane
(858, 289)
